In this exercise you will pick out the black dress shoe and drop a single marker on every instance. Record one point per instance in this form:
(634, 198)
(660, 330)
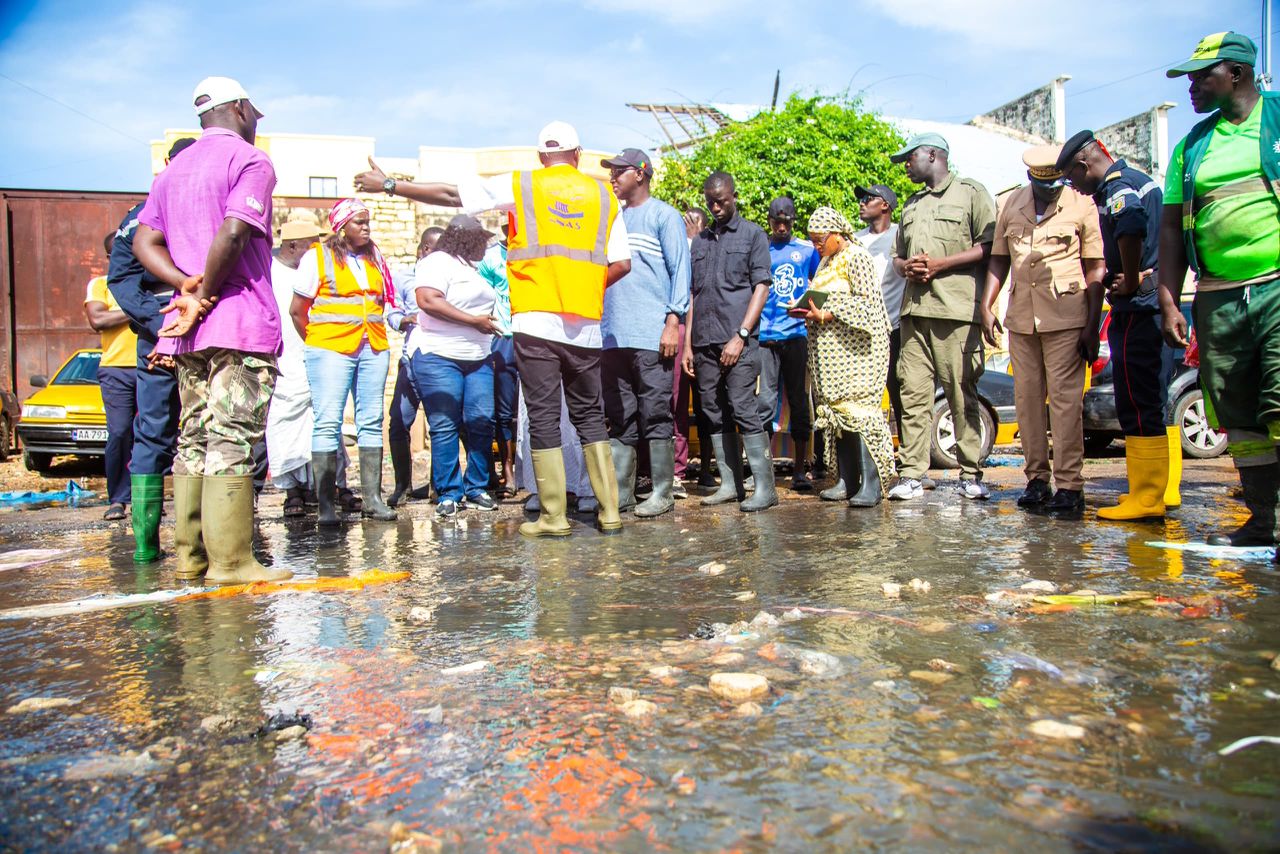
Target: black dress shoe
(1036, 493)
(1065, 504)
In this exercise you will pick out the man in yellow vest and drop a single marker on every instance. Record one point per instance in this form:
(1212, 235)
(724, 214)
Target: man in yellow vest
(567, 243)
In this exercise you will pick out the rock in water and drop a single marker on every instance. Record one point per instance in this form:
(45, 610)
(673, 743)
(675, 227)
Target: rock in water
(891, 590)
(739, 687)
(39, 704)
(638, 709)
(622, 696)
(1054, 729)
(931, 676)
(713, 567)
(748, 710)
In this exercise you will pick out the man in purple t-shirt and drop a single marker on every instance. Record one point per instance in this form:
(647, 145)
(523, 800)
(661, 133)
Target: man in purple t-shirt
(206, 231)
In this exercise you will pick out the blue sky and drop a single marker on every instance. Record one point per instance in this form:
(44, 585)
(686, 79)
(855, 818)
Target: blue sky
(491, 72)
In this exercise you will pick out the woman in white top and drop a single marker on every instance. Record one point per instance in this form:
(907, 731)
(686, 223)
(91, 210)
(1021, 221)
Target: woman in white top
(452, 371)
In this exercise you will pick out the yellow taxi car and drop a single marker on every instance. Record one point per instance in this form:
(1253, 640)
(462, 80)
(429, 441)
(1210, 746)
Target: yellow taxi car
(66, 415)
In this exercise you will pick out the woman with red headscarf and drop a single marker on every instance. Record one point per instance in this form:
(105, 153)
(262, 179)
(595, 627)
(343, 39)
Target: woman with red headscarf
(337, 308)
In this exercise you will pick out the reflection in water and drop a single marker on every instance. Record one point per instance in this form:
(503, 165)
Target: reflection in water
(910, 730)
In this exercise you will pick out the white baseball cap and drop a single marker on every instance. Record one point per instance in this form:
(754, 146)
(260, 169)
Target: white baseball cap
(220, 90)
(558, 136)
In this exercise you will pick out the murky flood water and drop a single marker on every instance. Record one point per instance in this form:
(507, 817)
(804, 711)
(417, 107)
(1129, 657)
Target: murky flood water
(471, 702)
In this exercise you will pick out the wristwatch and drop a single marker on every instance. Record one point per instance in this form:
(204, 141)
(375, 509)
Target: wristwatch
(389, 186)
(744, 333)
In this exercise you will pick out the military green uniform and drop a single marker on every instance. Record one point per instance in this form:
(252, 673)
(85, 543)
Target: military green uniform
(941, 328)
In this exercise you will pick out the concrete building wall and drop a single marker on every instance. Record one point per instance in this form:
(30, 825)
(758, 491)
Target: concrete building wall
(1040, 114)
(1142, 140)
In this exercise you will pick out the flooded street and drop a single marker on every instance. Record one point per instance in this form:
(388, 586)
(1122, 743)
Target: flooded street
(910, 704)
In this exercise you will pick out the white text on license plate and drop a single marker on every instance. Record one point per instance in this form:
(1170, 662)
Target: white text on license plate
(89, 435)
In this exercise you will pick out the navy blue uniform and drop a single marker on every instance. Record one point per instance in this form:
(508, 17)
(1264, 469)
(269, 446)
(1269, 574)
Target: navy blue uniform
(1130, 203)
(141, 296)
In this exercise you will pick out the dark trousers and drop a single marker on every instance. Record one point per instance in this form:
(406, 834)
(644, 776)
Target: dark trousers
(404, 405)
(895, 387)
(506, 388)
(728, 395)
(155, 429)
(637, 395)
(119, 399)
(1141, 367)
(784, 365)
(546, 366)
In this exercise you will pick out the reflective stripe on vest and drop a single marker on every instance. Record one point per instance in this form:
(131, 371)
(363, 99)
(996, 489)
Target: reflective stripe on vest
(557, 257)
(343, 313)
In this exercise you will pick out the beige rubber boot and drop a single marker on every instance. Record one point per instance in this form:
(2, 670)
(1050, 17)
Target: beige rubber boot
(604, 483)
(227, 520)
(188, 493)
(548, 471)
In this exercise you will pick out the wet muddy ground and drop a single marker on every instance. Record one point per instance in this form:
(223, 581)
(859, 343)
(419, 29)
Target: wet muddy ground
(516, 695)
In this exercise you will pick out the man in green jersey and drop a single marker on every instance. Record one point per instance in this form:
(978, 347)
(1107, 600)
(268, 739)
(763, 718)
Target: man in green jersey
(1222, 218)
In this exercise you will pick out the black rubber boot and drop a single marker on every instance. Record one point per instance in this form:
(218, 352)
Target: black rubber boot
(371, 486)
(846, 474)
(624, 466)
(1260, 485)
(402, 466)
(729, 460)
(324, 468)
(869, 492)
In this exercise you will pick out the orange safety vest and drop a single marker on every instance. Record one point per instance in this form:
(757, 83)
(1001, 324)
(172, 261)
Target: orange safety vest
(556, 256)
(343, 313)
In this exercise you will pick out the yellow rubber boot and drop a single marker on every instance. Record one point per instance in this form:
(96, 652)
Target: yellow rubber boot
(548, 471)
(604, 483)
(1147, 460)
(1172, 496)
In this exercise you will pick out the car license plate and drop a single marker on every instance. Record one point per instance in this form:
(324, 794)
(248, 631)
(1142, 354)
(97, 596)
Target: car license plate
(89, 435)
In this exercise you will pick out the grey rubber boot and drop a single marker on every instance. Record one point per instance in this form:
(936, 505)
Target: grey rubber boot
(846, 476)
(868, 476)
(402, 466)
(624, 465)
(371, 486)
(1260, 485)
(729, 461)
(761, 462)
(324, 468)
(662, 467)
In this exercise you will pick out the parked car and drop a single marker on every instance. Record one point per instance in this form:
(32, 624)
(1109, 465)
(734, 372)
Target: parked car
(1101, 427)
(10, 413)
(66, 415)
(999, 420)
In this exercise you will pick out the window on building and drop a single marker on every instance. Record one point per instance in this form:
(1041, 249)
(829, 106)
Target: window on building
(325, 188)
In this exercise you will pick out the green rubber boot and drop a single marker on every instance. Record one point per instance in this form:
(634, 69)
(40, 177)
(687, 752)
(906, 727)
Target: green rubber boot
(148, 496)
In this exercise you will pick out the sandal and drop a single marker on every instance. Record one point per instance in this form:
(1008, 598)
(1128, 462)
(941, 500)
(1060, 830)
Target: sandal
(349, 501)
(294, 503)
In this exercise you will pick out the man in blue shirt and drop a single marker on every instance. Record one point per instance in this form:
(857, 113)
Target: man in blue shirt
(641, 330)
(403, 317)
(1129, 209)
(784, 343)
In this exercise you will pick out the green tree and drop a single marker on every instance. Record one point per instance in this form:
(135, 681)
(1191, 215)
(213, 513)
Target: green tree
(813, 149)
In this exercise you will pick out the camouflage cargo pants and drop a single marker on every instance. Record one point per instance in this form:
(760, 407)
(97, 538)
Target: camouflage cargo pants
(224, 396)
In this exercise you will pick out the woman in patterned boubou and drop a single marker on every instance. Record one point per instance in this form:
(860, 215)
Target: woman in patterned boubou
(848, 361)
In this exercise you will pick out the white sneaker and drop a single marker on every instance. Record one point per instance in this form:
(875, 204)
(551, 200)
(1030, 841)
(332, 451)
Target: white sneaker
(905, 489)
(678, 490)
(974, 489)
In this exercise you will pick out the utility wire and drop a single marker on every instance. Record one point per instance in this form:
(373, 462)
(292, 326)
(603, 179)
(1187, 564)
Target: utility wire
(80, 113)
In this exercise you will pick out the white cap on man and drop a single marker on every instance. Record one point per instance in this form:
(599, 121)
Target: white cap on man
(220, 90)
(558, 136)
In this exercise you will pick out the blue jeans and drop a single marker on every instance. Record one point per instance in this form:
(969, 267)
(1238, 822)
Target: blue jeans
(458, 398)
(333, 376)
(119, 399)
(155, 427)
(506, 387)
(404, 404)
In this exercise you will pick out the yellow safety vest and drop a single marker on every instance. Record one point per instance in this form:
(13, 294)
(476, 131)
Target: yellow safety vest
(343, 313)
(557, 258)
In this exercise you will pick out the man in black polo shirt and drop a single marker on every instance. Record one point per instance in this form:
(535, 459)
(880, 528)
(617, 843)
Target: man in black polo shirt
(1129, 210)
(731, 279)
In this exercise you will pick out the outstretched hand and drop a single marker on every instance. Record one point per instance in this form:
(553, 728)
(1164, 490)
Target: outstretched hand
(372, 180)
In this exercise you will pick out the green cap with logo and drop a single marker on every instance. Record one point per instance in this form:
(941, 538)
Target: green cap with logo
(934, 140)
(1219, 47)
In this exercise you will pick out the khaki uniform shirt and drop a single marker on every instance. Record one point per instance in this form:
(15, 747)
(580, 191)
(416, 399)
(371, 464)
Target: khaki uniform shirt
(1047, 288)
(954, 216)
